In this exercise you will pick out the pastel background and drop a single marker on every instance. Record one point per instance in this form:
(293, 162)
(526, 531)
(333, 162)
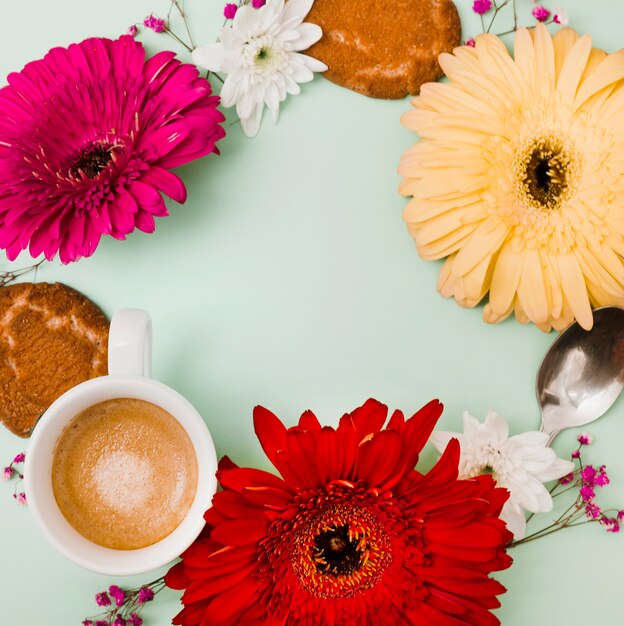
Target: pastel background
(289, 280)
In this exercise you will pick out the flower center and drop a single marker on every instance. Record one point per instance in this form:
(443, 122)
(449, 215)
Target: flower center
(93, 160)
(546, 171)
(336, 552)
(264, 56)
(341, 551)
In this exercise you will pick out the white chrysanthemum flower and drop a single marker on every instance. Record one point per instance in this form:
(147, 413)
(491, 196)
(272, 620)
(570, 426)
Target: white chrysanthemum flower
(521, 464)
(260, 53)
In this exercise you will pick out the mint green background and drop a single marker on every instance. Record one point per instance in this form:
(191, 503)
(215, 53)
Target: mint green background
(289, 280)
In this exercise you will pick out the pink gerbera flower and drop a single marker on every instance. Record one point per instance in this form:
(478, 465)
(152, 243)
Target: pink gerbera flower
(87, 137)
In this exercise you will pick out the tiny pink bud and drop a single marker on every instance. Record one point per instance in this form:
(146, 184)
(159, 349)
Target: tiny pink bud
(540, 13)
(481, 6)
(132, 30)
(134, 620)
(145, 595)
(576, 454)
(229, 10)
(585, 439)
(561, 17)
(256, 4)
(7, 473)
(118, 594)
(21, 498)
(471, 42)
(567, 479)
(102, 599)
(87, 622)
(154, 23)
(20, 458)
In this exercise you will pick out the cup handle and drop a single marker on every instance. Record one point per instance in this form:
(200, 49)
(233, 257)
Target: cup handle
(130, 343)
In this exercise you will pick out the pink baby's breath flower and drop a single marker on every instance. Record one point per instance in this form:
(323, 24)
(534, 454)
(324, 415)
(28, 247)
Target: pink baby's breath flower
(481, 6)
(561, 17)
(101, 622)
(601, 478)
(540, 13)
(20, 458)
(567, 479)
(145, 595)
(21, 498)
(87, 622)
(587, 493)
(118, 594)
(229, 10)
(102, 599)
(132, 30)
(585, 439)
(470, 42)
(154, 23)
(620, 516)
(575, 454)
(592, 511)
(119, 621)
(589, 475)
(256, 4)
(611, 524)
(134, 620)
(7, 473)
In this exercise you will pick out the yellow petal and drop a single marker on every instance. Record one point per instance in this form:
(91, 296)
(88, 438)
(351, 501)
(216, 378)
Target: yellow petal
(572, 69)
(609, 71)
(563, 42)
(544, 59)
(505, 280)
(532, 290)
(574, 289)
(486, 240)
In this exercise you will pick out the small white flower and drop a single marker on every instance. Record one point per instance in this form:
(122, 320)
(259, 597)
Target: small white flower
(521, 464)
(561, 17)
(260, 53)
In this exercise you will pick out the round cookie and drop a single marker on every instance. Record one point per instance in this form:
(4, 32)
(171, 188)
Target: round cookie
(384, 48)
(51, 339)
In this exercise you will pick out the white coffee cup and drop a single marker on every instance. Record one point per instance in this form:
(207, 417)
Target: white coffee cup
(129, 366)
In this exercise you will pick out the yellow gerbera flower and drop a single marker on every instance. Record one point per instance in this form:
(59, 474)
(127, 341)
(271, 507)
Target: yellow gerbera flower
(519, 177)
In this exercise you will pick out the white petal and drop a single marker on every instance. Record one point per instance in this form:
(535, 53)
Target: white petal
(516, 521)
(213, 57)
(297, 8)
(230, 91)
(312, 63)
(300, 73)
(497, 425)
(308, 34)
(251, 124)
(245, 106)
(247, 19)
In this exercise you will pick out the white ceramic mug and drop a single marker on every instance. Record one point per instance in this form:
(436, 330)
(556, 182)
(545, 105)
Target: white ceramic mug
(129, 366)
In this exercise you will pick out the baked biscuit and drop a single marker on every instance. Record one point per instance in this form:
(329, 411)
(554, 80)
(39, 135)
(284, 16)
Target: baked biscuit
(384, 48)
(51, 339)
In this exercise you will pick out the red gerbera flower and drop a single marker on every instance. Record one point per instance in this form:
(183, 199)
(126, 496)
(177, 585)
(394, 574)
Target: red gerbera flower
(351, 536)
(87, 137)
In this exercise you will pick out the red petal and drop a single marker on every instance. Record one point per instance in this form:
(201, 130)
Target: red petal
(270, 432)
(367, 419)
(240, 532)
(309, 421)
(377, 457)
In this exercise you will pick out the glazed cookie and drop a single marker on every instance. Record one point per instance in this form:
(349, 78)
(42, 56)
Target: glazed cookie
(51, 338)
(384, 48)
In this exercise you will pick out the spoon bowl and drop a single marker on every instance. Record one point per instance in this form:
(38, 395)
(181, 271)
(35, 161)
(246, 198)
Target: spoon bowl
(582, 374)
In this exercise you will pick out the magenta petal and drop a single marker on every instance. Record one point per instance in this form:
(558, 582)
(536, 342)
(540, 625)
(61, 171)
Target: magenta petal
(167, 182)
(148, 198)
(145, 221)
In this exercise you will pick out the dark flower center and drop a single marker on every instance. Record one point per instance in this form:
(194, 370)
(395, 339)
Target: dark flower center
(93, 160)
(545, 169)
(336, 553)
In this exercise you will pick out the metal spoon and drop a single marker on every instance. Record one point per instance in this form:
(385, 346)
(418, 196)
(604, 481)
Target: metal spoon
(582, 373)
